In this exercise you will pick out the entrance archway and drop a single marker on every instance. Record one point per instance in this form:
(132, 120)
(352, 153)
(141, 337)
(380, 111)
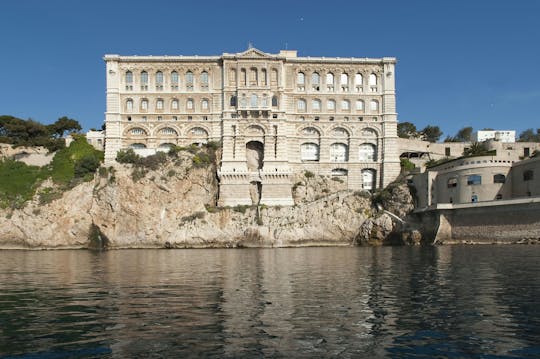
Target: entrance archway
(368, 179)
(254, 155)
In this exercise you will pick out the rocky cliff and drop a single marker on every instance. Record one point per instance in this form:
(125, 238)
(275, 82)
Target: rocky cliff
(173, 206)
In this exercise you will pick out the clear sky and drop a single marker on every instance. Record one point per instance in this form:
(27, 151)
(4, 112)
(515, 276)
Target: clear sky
(460, 62)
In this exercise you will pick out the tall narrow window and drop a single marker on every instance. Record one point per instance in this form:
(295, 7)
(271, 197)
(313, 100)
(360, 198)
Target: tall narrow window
(264, 101)
(144, 80)
(254, 100)
(330, 81)
(243, 77)
(253, 76)
(264, 78)
(315, 81)
(129, 104)
(204, 80)
(174, 104)
(174, 80)
(159, 80)
(359, 105)
(189, 81)
(232, 76)
(144, 104)
(374, 105)
(300, 81)
(274, 101)
(159, 104)
(358, 82)
(373, 82)
(345, 105)
(189, 104)
(204, 104)
(316, 105)
(274, 77)
(233, 101)
(301, 105)
(129, 80)
(344, 82)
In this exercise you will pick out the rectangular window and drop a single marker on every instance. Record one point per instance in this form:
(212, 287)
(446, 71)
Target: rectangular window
(474, 180)
(159, 118)
(526, 152)
(175, 118)
(447, 151)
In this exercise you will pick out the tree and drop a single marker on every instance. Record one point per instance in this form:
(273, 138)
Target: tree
(464, 135)
(431, 133)
(529, 136)
(476, 149)
(62, 125)
(406, 130)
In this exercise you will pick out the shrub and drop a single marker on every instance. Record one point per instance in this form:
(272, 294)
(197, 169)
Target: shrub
(406, 165)
(240, 208)
(210, 209)
(154, 161)
(87, 165)
(201, 159)
(194, 216)
(127, 156)
(171, 173)
(362, 194)
(337, 179)
(138, 174)
(213, 145)
(309, 174)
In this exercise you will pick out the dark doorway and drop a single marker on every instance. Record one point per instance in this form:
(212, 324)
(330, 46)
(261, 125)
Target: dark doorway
(254, 155)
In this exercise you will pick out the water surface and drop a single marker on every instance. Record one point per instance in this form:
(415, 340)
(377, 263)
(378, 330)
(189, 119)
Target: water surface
(390, 302)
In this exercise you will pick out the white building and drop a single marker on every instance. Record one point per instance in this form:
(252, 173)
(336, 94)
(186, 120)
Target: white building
(275, 115)
(498, 135)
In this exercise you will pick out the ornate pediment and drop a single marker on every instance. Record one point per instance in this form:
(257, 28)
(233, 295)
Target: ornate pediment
(253, 53)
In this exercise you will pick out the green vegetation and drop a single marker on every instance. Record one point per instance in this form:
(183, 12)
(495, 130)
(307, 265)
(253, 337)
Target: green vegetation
(309, 174)
(18, 181)
(529, 135)
(194, 216)
(18, 132)
(428, 133)
(240, 208)
(406, 164)
(79, 160)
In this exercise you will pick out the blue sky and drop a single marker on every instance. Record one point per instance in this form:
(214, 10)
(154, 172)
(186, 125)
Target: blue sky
(460, 62)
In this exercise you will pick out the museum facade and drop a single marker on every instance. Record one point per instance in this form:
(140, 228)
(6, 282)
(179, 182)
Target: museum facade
(276, 115)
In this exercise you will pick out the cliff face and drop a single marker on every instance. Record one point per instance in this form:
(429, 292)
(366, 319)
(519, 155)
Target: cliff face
(174, 206)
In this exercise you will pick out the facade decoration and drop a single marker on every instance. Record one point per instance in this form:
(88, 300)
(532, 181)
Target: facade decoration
(274, 114)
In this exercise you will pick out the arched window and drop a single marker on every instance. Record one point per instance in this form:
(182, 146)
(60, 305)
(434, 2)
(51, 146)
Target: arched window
(316, 105)
(309, 152)
(301, 105)
(168, 131)
(452, 182)
(204, 80)
(129, 80)
(301, 79)
(264, 101)
(144, 104)
(189, 104)
(137, 131)
(129, 104)
(330, 81)
(189, 80)
(372, 80)
(344, 82)
(315, 81)
(274, 101)
(174, 80)
(144, 80)
(339, 152)
(358, 80)
(159, 104)
(174, 104)
(137, 145)
(232, 76)
(254, 100)
(204, 104)
(367, 152)
(345, 105)
(340, 132)
(499, 178)
(331, 105)
(243, 101)
(233, 101)
(359, 105)
(374, 105)
(159, 80)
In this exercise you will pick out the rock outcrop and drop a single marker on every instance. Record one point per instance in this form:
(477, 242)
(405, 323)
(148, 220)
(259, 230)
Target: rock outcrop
(174, 207)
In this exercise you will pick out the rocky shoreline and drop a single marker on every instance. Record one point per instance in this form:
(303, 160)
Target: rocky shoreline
(173, 206)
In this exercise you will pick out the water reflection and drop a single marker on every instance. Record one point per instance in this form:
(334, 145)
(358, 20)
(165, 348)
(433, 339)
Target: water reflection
(455, 302)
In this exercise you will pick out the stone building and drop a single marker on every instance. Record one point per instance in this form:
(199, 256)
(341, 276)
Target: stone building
(275, 115)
